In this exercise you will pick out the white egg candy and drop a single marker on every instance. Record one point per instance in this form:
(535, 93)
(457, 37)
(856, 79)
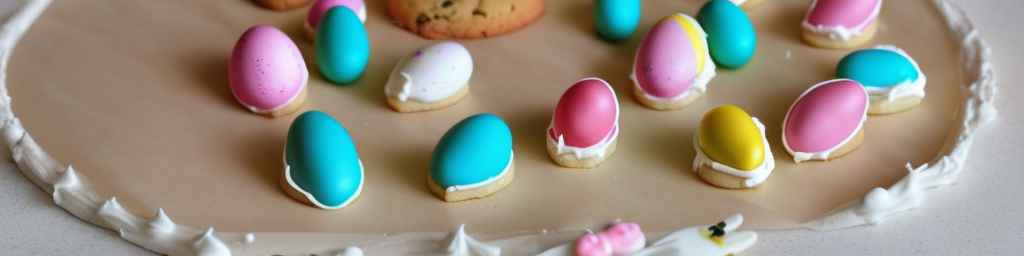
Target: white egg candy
(433, 77)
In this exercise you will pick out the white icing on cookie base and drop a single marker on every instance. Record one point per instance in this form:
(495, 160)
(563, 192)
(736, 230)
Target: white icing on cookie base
(488, 181)
(312, 199)
(902, 90)
(753, 177)
(841, 33)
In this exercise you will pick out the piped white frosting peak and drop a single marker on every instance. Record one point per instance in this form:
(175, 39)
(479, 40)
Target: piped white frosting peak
(73, 192)
(841, 33)
(905, 89)
(463, 245)
(753, 177)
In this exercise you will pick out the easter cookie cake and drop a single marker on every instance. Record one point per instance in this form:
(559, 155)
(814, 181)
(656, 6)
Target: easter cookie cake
(610, 127)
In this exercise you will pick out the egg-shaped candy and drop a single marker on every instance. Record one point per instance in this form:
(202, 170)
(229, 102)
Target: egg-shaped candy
(473, 159)
(267, 73)
(433, 77)
(320, 7)
(841, 23)
(616, 20)
(672, 66)
(731, 36)
(322, 166)
(342, 46)
(893, 80)
(826, 121)
(732, 149)
(585, 124)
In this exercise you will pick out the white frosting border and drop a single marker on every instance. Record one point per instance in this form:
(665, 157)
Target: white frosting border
(840, 33)
(74, 194)
(903, 89)
(511, 158)
(594, 151)
(823, 155)
(753, 177)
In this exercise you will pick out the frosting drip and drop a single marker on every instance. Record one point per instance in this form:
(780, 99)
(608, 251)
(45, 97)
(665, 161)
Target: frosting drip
(753, 177)
(913, 88)
(595, 151)
(511, 158)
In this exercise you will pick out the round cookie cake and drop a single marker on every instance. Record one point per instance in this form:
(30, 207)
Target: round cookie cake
(138, 103)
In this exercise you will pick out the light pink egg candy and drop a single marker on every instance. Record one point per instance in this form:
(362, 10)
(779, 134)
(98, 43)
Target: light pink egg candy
(320, 7)
(665, 64)
(266, 70)
(587, 113)
(825, 116)
(625, 238)
(843, 13)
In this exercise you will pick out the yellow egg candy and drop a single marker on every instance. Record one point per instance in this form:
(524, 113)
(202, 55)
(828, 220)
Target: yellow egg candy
(728, 135)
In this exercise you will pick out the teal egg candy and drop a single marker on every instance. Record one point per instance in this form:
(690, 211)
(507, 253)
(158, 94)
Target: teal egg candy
(322, 162)
(342, 46)
(878, 67)
(475, 150)
(616, 20)
(732, 39)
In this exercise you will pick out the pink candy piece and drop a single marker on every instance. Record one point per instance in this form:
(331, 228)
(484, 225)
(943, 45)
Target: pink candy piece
(825, 115)
(320, 7)
(665, 63)
(619, 240)
(266, 69)
(586, 113)
(842, 13)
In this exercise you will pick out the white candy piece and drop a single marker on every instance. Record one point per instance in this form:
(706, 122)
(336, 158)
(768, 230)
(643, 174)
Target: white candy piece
(431, 74)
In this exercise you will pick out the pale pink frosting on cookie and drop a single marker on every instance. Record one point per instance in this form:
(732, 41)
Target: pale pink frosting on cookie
(619, 239)
(586, 114)
(826, 116)
(266, 71)
(850, 14)
(665, 62)
(320, 7)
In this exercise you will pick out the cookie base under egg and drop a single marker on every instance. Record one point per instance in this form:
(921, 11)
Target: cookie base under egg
(417, 106)
(721, 179)
(283, 5)
(474, 193)
(884, 107)
(293, 106)
(691, 96)
(822, 40)
(570, 160)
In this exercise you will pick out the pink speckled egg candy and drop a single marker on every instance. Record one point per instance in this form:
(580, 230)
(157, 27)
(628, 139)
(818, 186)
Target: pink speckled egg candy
(672, 65)
(585, 124)
(320, 7)
(267, 73)
(826, 121)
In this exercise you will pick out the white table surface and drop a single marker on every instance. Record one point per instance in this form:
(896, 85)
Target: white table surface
(983, 214)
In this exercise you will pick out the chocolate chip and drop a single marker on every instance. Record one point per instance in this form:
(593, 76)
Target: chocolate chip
(422, 19)
(480, 13)
(447, 3)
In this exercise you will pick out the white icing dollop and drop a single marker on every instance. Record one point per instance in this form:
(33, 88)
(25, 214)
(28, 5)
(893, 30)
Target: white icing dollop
(913, 88)
(511, 158)
(841, 33)
(431, 74)
(351, 251)
(822, 155)
(161, 223)
(208, 244)
(594, 151)
(753, 177)
(464, 245)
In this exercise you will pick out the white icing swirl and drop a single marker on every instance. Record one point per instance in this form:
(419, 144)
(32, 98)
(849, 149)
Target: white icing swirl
(464, 245)
(841, 33)
(753, 177)
(904, 89)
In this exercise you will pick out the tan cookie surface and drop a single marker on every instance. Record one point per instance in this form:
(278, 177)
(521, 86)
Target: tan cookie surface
(417, 106)
(436, 19)
(474, 193)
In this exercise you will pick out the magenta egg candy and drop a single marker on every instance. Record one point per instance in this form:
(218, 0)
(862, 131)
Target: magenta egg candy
(266, 72)
(586, 114)
(824, 118)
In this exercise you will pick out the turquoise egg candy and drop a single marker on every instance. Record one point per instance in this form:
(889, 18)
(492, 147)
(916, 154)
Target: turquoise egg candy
(616, 20)
(322, 161)
(877, 67)
(732, 39)
(476, 149)
(342, 46)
